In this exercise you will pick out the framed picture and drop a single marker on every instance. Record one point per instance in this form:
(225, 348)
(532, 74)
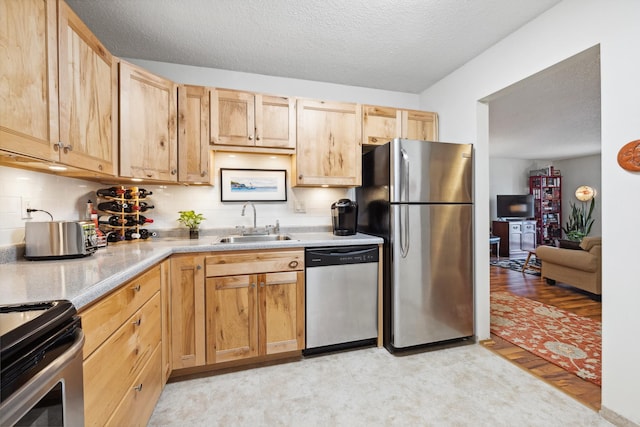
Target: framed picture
(253, 185)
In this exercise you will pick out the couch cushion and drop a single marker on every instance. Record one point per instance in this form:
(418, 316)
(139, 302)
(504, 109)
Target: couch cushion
(580, 260)
(589, 242)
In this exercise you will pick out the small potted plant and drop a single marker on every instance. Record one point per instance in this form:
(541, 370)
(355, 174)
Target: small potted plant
(191, 220)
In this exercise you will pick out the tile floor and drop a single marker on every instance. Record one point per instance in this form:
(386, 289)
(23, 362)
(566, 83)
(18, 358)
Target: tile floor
(461, 386)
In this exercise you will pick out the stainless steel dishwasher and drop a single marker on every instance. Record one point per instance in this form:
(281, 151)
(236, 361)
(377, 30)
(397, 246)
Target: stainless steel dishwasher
(341, 297)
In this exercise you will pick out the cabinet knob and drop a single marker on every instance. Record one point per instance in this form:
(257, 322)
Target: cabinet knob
(198, 267)
(173, 171)
(137, 322)
(100, 167)
(136, 288)
(67, 148)
(257, 137)
(250, 137)
(58, 145)
(138, 387)
(161, 143)
(253, 285)
(203, 173)
(293, 264)
(262, 284)
(300, 177)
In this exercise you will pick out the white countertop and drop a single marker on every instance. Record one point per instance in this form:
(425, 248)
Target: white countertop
(84, 280)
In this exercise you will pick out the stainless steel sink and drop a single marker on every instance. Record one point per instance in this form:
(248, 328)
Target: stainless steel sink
(255, 238)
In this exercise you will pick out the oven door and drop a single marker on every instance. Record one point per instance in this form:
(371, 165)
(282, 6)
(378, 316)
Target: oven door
(52, 397)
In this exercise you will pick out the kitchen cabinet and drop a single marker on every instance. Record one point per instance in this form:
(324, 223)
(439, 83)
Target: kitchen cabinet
(58, 95)
(193, 134)
(165, 307)
(148, 128)
(122, 370)
(254, 304)
(187, 311)
(242, 119)
(382, 124)
(329, 144)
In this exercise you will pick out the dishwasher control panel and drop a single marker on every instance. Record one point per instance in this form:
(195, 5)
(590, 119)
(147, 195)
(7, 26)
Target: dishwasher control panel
(341, 255)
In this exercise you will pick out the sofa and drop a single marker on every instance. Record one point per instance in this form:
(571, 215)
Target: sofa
(580, 268)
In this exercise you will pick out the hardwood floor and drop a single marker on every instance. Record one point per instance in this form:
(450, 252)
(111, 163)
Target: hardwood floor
(560, 296)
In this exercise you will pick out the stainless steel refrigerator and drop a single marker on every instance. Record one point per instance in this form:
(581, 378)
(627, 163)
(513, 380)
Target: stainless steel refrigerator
(418, 196)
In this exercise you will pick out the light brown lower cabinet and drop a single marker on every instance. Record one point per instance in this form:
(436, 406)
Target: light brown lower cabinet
(257, 314)
(125, 358)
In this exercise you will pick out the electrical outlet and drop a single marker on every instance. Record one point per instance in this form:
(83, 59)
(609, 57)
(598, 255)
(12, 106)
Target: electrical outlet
(25, 203)
(299, 206)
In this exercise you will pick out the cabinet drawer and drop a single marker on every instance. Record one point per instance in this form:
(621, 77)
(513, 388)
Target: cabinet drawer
(142, 395)
(515, 228)
(529, 227)
(112, 368)
(233, 263)
(101, 319)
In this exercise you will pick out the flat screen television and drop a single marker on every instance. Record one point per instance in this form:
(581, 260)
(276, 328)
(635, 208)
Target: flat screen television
(515, 206)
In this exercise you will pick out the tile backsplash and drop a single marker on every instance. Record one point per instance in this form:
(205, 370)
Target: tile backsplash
(65, 198)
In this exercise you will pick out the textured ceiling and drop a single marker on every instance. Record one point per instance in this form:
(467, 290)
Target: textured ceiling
(554, 114)
(402, 46)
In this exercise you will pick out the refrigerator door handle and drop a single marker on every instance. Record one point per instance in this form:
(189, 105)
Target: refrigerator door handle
(404, 178)
(404, 231)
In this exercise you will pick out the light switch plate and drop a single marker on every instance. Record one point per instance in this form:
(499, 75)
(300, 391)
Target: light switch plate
(300, 206)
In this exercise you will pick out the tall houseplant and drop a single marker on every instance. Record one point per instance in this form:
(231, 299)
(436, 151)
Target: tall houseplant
(580, 221)
(191, 220)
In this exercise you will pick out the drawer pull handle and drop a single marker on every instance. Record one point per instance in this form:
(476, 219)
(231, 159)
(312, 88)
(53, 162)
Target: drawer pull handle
(138, 387)
(136, 288)
(137, 322)
(293, 264)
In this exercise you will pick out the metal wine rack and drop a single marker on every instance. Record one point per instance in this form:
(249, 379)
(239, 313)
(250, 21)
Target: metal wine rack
(130, 207)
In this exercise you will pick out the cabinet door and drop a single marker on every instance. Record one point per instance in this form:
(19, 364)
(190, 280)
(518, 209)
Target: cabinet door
(88, 97)
(148, 131)
(380, 124)
(29, 83)
(193, 134)
(275, 122)
(281, 308)
(187, 311)
(420, 125)
(165, 318)
(232, 321)
(232, 118)
(329, 144)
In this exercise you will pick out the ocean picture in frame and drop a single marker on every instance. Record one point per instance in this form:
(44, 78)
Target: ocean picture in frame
(253, 185)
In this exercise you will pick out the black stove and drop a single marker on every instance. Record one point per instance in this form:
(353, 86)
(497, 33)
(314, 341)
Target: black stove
(34, 338)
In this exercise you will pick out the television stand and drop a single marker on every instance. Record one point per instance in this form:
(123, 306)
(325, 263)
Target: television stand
(517, 236)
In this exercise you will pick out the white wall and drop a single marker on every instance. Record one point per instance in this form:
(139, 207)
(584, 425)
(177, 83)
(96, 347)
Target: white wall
(567, 29)
(507, 176)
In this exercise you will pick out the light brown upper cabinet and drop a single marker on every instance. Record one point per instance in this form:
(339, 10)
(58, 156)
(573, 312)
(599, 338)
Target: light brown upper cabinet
(148, 128)
(329, 144)
(382, 124)
(261, 122)
(58, 94)
(88, 97)
(193, 134)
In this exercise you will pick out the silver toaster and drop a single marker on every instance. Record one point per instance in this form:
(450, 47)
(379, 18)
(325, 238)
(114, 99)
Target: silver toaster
(60, 239)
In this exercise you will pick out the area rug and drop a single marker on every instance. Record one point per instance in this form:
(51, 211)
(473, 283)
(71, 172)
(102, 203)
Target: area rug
(516, 264)
(565, 339)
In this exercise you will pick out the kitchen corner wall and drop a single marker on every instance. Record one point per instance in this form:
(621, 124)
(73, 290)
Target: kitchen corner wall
(65, 198)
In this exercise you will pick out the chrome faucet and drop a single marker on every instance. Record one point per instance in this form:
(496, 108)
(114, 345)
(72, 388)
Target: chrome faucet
(254, 213)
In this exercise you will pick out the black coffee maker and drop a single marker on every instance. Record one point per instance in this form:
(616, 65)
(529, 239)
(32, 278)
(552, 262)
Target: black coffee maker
(345, 217)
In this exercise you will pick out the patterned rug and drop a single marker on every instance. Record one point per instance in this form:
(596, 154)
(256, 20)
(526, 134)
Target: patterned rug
(516, 264)
(565, 339)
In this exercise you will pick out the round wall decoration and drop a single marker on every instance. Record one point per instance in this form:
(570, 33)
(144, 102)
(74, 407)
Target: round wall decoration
(629, 156)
